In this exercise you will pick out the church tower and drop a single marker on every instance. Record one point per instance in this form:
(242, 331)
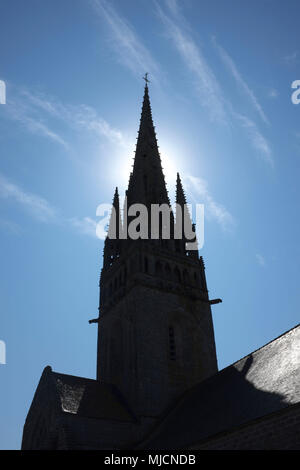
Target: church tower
(155, 330)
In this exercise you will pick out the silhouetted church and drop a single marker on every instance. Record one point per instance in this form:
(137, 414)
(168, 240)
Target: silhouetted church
(158, 385)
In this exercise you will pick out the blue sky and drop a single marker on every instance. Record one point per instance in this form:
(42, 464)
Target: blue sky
(221, 75)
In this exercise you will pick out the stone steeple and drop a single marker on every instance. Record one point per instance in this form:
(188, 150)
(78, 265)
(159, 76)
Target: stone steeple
(155, 331)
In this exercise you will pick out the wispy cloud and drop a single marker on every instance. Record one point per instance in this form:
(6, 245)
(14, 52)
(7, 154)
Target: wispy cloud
(10, 227)
(81, 117)
(258, 141)
(39, 208)
(86, 225)
(40, 114)
(260, 260)
(18, 111)
(211, 94)
(198, 188)
(292, 58)
(206, 83)
(128, 46)
(241, 82)
(88, 119)
(173, 7)
(36, 205)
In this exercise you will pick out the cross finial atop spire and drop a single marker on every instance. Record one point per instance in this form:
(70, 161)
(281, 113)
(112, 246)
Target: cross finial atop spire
(146, 78)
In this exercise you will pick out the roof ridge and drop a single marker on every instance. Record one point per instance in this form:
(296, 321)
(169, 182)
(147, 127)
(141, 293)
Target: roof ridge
(261, 347)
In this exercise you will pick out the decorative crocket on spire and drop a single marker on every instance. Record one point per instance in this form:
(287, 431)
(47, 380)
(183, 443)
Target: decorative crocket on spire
(180, 196)
(183, 219)
(112, 244)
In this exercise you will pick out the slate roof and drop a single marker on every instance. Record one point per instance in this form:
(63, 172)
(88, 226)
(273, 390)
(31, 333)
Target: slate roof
(80, 396)
(90, 398)
(263, 382)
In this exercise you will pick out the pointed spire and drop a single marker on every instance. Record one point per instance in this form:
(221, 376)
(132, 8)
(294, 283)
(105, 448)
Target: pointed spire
(146, 135)
(115, 223)
(147, 183)
(112, 245)
(183, 219)
(180, 196)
